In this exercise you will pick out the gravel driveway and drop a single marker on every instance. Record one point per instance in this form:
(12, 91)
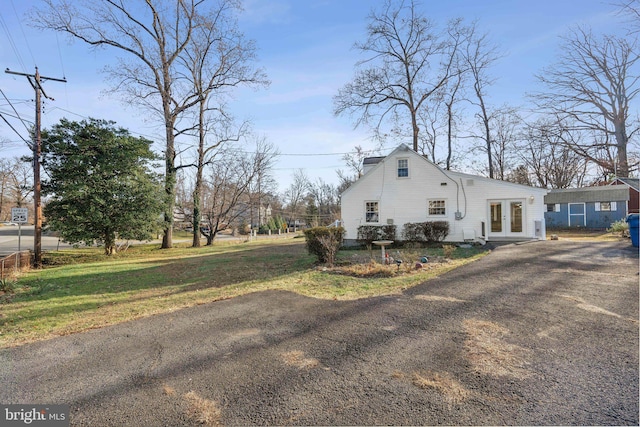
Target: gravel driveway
(540, 333)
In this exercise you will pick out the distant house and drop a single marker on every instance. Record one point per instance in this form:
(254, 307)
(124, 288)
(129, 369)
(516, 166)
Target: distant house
(405, 187)
(589, 207)
(633, 184)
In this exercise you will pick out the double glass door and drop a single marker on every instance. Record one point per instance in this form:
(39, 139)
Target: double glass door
(506, 217)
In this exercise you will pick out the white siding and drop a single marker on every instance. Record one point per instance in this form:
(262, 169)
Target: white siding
(405, 199)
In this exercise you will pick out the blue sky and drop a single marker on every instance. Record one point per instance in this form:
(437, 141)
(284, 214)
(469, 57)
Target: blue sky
(306, 50)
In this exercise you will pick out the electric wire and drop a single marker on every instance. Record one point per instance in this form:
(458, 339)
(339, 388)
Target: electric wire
(14, 129)
(14, 110)
(64, 74)
(12, 43)
(23, 33)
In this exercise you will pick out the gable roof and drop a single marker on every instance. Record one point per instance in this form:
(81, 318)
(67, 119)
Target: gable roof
(376, 162)
(631, 182)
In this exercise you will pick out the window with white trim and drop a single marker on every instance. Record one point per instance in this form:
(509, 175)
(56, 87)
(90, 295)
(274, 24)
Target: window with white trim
(403, 168)
(437, 207)
(606, 206)
(371, 212)
(553, 207)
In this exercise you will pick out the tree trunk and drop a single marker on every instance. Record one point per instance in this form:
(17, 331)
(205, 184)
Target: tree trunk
(416, 130)
(169, 180)
(622, 142)
(109, 243)
(197, 191)
(449, 133)
(196, 214)
(487, 136)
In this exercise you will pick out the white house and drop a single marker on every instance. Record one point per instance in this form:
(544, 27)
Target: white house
(404, 187)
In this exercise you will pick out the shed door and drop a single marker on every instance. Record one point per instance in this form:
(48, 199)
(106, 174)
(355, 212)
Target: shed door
(577, 217)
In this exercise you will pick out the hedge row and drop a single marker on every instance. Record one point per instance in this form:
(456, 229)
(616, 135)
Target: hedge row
(430, 231)
(370, 233)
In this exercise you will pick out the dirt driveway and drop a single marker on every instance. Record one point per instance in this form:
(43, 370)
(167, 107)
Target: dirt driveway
(541, 333)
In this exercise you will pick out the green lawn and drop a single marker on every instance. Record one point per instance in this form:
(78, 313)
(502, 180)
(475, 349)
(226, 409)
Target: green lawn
(83, 289)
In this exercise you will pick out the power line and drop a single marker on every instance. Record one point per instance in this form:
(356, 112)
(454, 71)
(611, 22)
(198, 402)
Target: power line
(12, 43)
(14, 110)
(14, 129)
(23, 34)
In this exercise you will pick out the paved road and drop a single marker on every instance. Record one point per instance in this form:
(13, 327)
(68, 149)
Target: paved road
(9, 239)
(542, 333)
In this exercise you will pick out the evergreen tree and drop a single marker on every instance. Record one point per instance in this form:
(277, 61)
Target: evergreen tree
(99, 184)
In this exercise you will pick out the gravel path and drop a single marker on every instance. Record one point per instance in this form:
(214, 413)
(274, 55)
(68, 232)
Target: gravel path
(541, 333)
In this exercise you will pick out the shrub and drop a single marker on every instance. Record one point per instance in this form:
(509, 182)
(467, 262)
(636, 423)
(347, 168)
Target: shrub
(448, 251)
(430, 231)
(436, 231)
(369, 233)
(389, 232)
(7, 285)
(620, 226)
(244, 228)
(330, 245)
(413, 232)
(321, 241)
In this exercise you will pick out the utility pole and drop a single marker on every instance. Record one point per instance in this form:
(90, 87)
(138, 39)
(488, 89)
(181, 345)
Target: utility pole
(36, 80)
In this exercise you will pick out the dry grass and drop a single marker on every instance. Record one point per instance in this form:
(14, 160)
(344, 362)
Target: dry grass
(373, 269)
(444, 383)
(296, 358)
(369, 270)
(168, 390)
(202, 411)
(490, 354)
(582, 235)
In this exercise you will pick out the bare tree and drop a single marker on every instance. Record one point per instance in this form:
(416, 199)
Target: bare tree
(184, 197)
(408, 61)
(219, 59)
(226, 195)
(16, 184)
(505, 128)
(344, 181)
(324, 200)
(152, 35)
(218, 131)
(479, 54)
(450, 99)
(631, 8)
(6, 171)
(354, 160)
(294, 195)
(544, 151)
(262, 183)
(591, 88)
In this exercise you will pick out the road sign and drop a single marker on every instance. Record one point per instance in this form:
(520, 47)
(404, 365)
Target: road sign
(19, 215)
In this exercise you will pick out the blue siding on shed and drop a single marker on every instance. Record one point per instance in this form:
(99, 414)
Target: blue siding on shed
(594, 219)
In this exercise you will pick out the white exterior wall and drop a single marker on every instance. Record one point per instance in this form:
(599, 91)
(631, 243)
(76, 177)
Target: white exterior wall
(405, 200)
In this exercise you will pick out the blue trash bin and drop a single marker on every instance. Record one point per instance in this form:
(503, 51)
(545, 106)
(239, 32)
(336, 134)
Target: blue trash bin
(633, 220)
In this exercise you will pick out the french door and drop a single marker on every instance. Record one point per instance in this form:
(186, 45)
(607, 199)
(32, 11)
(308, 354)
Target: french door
(506, 218)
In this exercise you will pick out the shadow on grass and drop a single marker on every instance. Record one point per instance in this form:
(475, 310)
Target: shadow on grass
(200, 269)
